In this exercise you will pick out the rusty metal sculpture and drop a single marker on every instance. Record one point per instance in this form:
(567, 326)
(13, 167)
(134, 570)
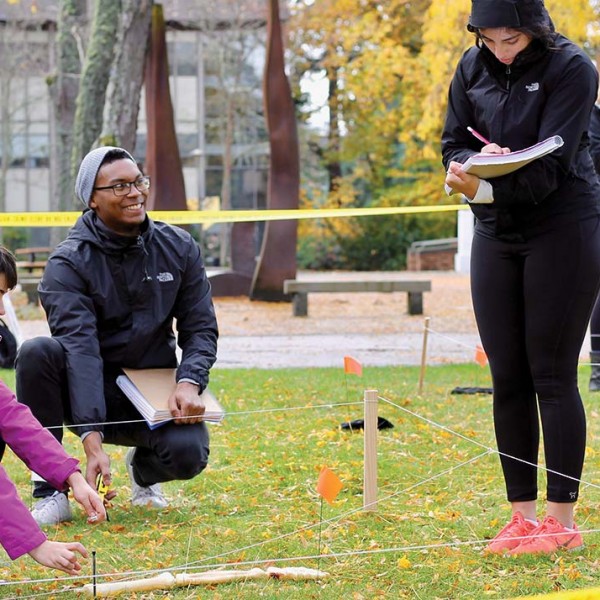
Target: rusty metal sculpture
(237, 281)
(277, 260)
(163, 162)
(263, 279)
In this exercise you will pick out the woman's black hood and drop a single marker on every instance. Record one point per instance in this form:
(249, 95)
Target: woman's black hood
(512, 14)
(528, 16)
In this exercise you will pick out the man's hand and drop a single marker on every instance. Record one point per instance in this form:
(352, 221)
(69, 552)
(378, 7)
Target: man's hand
(97, 462)
(185, 404)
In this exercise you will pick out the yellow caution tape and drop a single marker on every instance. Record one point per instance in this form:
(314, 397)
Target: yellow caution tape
(187, 217)
(589, 594)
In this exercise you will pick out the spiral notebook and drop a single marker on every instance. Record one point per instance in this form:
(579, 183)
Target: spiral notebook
(149, 391)
(488, 166)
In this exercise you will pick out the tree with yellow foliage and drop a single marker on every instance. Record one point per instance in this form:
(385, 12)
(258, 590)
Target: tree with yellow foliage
(363, 49)
(388, 65)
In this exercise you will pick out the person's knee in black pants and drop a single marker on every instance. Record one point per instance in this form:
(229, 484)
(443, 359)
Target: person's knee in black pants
(179, 452)
(41, 382)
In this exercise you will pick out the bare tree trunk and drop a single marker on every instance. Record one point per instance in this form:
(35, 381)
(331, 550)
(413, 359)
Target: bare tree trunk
(94, 79)
(127, 76)
(334, 168)
(5, 128)
(225, 232)
(63, 87)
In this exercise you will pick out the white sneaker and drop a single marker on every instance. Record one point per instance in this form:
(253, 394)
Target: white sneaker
(52, 510)
(150, 496)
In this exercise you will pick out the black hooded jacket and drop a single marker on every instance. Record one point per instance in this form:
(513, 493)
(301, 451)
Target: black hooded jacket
(111, 300)
(595, 136)
(547, 91)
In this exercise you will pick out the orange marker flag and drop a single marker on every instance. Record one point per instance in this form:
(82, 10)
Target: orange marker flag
(480, 356)
(351, 365)
(329, 485)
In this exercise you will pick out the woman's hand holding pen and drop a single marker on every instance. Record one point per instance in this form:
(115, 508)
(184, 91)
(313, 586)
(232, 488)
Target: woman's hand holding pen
(492, 148)
(489, 147)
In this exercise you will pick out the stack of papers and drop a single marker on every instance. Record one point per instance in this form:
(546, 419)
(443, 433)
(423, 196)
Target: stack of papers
(488, 166)
(149, 391)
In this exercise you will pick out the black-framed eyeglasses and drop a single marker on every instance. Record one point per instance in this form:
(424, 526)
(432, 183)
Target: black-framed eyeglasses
(122, 189)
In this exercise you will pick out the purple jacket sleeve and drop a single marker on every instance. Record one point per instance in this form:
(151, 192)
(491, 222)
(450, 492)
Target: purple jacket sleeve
(40, 451)
(19, 533)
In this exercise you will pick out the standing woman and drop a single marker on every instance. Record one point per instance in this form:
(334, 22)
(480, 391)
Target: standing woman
(535, 259)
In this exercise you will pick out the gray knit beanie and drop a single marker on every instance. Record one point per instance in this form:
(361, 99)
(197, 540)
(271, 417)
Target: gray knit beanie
(90, 165)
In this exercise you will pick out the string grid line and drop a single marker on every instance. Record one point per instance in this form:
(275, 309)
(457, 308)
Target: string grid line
(204, 564)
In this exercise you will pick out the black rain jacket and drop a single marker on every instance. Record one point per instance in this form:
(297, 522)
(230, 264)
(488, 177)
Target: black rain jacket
(111, 300)
(595, 136)
(544, 92)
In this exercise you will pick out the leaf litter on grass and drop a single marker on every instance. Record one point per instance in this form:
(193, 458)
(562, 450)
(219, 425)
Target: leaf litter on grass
(256, 502)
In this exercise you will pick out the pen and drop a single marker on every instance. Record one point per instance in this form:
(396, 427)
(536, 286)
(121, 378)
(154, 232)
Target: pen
(479, 136)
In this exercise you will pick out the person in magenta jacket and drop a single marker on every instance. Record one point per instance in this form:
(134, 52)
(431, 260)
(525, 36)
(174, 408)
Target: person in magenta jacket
(39, 450)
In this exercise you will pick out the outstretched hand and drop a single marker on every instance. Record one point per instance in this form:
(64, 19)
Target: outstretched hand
(88, 498)
(59, 555)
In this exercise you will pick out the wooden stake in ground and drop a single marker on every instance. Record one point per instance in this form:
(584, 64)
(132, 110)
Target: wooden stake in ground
(424, 354)
(370, 466)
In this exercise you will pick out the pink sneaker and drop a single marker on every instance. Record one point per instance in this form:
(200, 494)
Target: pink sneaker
(550, 536)
(511, 535)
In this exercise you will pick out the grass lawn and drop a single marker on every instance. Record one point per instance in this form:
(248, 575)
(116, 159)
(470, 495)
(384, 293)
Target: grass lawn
(441, 494)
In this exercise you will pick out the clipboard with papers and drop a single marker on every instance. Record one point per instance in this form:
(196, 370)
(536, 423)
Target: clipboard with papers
(488, 166)
(149, 391)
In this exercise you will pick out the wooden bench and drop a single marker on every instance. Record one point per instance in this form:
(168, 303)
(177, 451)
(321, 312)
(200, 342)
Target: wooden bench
(32, 261)
(299, 290)
(30, 268)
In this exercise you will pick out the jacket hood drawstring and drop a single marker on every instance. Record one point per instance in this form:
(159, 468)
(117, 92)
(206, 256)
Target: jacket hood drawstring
(140, 243)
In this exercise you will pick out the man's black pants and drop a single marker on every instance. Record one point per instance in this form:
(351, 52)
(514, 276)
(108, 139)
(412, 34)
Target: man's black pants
(166, 453)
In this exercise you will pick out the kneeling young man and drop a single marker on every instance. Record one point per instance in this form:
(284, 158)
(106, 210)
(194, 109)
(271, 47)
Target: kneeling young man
(111, 292)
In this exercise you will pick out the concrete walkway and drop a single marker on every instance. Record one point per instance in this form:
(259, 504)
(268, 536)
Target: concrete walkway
(374, 328)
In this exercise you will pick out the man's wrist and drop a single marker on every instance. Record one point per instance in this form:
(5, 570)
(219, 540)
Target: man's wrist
(92, 442)
(85, 434)
(188, 381)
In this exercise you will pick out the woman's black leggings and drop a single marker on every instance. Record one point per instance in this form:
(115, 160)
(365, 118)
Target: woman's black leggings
(532, 302)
